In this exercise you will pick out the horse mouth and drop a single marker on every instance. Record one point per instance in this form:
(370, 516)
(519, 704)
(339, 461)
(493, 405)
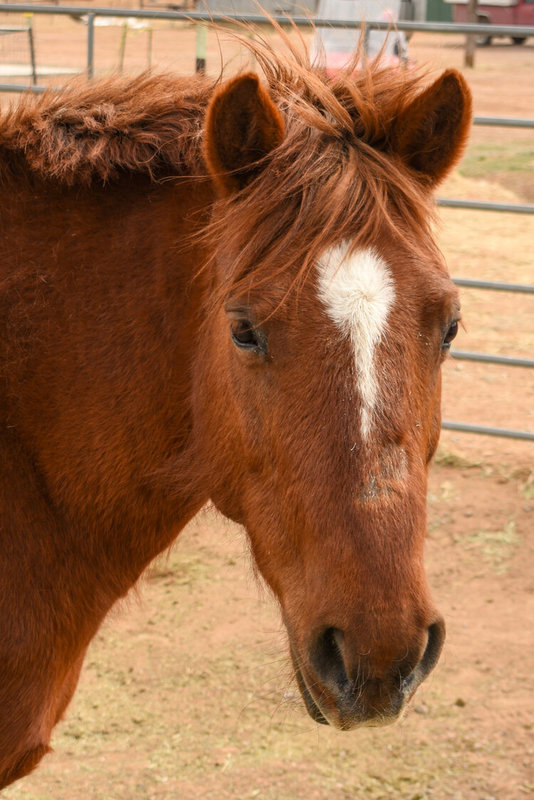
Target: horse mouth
(348, 708)
(352, 714)
(346, 702)
(311, 706)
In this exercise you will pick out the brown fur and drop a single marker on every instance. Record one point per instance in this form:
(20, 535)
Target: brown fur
(89, 131)
(126, 405)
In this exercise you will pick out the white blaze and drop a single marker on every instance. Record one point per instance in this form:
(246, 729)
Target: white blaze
(358, 292)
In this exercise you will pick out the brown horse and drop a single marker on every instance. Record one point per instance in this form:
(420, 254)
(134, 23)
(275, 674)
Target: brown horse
(223, 291)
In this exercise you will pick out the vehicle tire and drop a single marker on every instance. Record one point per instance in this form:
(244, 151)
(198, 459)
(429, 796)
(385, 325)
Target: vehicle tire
(519, 39)
(484, 40)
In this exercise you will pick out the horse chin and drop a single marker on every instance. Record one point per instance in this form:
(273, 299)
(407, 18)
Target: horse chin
(357, 718)
(344, 722)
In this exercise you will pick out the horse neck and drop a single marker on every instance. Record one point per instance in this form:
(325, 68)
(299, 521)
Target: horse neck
(99, 388)
(167, 487)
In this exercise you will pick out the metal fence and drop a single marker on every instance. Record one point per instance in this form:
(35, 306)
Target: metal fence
(464, 355)
(89, 15)
(492, 286)
(6, 30)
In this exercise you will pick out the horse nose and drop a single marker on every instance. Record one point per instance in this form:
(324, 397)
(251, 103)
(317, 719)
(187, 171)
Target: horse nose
(362, 686)
(429, 659)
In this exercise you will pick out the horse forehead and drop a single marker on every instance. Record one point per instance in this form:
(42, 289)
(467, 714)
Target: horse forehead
(358, 293)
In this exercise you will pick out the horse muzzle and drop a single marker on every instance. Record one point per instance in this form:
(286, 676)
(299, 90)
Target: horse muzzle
(348, 693)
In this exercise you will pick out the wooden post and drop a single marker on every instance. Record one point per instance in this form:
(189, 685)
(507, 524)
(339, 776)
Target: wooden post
(200, 49)
(122, 46)
(470, 39)
(149, 48)
(31, 42)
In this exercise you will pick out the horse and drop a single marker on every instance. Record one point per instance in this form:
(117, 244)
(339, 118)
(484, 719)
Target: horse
(224, 290)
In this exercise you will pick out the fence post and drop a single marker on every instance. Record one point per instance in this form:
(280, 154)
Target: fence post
(32, 48)
(149, 48)
(122, 46)
(470, 39)
(90, 44)
(201, 46)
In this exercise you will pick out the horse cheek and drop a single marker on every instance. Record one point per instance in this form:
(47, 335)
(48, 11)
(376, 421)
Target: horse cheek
(434, 420)
(217, 425)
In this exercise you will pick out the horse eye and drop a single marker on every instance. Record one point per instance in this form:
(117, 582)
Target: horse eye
(243, 334)
(450, 335)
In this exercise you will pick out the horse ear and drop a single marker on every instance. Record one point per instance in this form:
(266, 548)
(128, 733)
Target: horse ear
(431, 132)
(242, 126)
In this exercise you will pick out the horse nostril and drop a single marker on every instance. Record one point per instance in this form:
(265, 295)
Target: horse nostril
(436, 637)
(327, 659)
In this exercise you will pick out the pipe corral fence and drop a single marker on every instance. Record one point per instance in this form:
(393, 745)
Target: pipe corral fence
(202, 19)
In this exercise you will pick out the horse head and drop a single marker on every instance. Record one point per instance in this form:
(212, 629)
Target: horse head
(318, 383)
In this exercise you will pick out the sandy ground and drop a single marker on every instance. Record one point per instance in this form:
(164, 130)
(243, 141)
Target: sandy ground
(187, 693)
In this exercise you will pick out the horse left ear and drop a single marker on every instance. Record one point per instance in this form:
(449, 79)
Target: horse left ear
(431, 132)
(242, 126)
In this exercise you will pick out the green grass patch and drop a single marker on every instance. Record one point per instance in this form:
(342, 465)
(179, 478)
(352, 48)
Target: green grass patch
(488, 159)
(447, 458)
(495, 546)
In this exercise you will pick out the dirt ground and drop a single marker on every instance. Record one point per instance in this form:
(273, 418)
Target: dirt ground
(187, 693)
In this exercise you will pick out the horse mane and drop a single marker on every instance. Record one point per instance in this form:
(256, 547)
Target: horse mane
(335, 175)
(150, 124)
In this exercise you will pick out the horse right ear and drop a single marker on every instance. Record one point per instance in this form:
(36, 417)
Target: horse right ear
(431, 133)
(243, 125)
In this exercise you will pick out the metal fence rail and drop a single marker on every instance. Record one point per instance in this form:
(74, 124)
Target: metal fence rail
(478, 205)
(517, 288)
(504, 122)
(5, 30)
(89, 14)
(486, 358)
(496, 286)
(504, 433)
(506, 361)
(285, 20)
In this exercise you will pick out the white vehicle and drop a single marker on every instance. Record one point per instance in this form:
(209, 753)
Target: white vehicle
(339, 44)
